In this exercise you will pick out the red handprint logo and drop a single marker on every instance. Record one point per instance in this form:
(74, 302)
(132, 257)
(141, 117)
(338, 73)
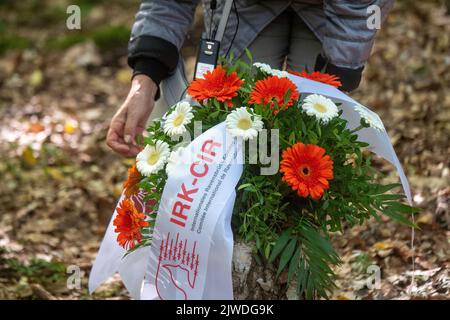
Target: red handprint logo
(177, 268)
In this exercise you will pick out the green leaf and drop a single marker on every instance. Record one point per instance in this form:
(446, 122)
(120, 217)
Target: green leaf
(245, 185)
(287, 255)
(249, 55)
(267, 251)
(385, 188)
(315, 276)
(294, 264)
(399, 217)
(258, 260)
(302, 277)
(280, 244)
(214, 114)
(291, 138)
(287, 95)
(401, 207)
(258, 241)
(319, 130)
(385, 197)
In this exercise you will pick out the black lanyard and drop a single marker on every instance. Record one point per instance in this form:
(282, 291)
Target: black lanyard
(208, 52)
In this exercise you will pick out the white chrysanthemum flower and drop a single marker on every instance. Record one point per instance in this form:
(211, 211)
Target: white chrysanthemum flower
(241, 123)
(264, 67)
(371, 119)
(175, 123)
(279, 73)
(176, 157)
(320, 107)
(152, 158)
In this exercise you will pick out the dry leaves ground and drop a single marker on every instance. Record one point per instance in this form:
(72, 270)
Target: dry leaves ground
(59, 88)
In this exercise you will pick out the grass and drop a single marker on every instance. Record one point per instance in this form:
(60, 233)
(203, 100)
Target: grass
(36, 271)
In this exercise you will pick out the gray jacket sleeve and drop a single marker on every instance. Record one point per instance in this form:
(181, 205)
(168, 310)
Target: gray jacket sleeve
(348, 39)
(157, 36)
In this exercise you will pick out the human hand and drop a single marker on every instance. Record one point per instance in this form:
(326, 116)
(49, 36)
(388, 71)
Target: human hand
(131, 118)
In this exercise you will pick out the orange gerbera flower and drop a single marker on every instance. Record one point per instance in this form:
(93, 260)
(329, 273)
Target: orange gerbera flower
(307, 169)
(326, 78)
(131, 185)
(272, 89)
(128, 223)
(216, 84)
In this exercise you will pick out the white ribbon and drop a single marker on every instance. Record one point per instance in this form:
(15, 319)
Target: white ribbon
(194, 219)
(202, 228)
(111, 259)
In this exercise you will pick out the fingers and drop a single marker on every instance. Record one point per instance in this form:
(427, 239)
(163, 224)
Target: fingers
(118, 145)
(136, 121)
(116, 141)
(142, 124)
(121, 147)
(134, 150)
(131, 118)
(114, 137)
(131, 124)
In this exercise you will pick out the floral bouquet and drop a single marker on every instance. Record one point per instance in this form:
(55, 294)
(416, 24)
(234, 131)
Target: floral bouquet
(323, 181)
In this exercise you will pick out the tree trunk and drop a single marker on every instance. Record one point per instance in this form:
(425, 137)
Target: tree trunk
(251, 280)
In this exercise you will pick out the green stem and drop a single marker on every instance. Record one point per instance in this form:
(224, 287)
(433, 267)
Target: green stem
(357, 128)
(285, 141)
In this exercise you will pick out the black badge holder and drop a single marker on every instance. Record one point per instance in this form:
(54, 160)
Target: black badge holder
(174, 87)
(208, 52)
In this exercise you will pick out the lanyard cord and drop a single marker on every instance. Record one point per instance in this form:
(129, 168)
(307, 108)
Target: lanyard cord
(213, 6)
(236, 30)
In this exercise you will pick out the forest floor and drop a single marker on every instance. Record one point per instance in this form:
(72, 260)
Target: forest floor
(60, 182)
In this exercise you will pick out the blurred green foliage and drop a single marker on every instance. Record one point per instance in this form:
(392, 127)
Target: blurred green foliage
(42, 24)
(105, 38)
(13, 42)
(37, 270)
